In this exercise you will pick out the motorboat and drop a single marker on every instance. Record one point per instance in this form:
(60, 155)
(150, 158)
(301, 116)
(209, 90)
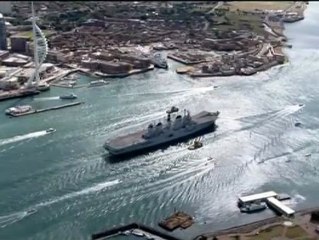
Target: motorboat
(70, 96)
(297, 124)
(50, 130)
(138, 233)
(98, 83)
(253, 207)
(196, 144)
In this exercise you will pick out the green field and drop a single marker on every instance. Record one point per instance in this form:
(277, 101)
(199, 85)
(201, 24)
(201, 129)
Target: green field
(262, 5)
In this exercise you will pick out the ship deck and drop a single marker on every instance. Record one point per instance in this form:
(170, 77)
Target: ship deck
(136, 137)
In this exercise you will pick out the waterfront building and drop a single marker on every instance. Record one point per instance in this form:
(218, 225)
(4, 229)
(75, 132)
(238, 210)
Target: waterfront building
(19, 44)
(3, 33)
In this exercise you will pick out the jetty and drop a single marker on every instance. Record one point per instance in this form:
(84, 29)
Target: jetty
(45, 109)
(178, 219)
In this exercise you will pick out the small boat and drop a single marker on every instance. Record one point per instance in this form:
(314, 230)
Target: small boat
(50, 130)
(308, 155)
(125, 233)
(138, 233)
(297, 124)
(70, 96)
(159, 60)
(43, 87)
(196, 144)
(283, 196)
(254, 207)
(98, 83)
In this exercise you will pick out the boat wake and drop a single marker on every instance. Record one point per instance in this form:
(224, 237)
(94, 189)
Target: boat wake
(22, 137)
(15, 217)
(190, 90)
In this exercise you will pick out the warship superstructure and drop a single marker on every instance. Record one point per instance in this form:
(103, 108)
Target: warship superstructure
(176, 127)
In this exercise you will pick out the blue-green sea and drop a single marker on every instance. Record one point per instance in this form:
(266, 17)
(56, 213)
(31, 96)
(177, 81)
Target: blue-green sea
(64, 186)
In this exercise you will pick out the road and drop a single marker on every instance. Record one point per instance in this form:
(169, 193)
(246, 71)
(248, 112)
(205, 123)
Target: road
(219, 4)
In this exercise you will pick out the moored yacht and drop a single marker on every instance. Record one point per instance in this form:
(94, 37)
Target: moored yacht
(18, 109)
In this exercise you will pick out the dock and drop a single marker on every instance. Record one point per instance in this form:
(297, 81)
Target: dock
(178, 219)
(256, 197)
(280, 207)
(45, 109)
(272, 199)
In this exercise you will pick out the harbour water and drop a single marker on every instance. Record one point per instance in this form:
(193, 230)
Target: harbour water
(63, 185)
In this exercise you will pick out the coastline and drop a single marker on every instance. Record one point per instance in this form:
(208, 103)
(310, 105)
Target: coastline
(249, 227)
(273, 43)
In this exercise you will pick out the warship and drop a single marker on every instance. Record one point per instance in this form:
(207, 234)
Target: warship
(175, 128)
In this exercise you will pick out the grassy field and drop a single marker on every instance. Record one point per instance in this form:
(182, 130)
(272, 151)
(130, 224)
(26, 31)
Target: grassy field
(262, 5)
(236, 20)
(295, 232)
(273, 232)
(268, 233)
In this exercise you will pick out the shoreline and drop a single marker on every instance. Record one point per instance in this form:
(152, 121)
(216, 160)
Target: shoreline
(271, 28)
(249, 227)
(123, 75)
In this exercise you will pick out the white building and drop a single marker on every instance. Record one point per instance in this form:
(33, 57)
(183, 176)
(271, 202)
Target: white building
(5, 7)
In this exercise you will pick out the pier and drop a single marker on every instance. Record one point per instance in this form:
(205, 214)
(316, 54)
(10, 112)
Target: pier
(256, 197)
(45, 109)
(280, 207)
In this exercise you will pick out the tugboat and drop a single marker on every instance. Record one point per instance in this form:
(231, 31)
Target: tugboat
(50, 130)
(196, 144)
(70, 96)
(253, 207)
(98, 83)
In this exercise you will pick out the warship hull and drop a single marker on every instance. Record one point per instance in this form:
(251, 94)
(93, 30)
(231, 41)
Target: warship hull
(133, 144)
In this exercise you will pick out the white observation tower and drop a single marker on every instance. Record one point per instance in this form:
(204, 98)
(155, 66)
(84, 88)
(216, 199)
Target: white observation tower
(40, 46)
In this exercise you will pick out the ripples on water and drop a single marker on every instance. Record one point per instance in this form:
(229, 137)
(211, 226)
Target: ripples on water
(63, 186)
